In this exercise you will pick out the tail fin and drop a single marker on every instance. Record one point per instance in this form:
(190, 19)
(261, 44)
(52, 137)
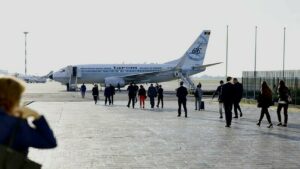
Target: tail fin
(194, 56)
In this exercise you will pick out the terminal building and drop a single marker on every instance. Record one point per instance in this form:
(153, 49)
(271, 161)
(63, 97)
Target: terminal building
(252, 84)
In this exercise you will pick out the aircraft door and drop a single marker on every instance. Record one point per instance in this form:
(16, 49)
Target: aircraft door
(74, 71)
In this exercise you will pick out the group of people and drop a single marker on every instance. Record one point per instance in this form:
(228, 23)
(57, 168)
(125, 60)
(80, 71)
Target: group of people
(134, 91)
(109, 93)
(230, 98)
(230, 95)
(265, 100)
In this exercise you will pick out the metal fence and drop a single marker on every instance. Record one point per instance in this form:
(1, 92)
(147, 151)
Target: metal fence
(252, 84)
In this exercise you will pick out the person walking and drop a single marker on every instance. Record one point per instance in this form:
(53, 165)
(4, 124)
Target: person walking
(95, 93)
(219, 93)
(131, 95)
(107, 94)
(238, 95)
(142, 96)
(181, 94)
(136, 90)
(283, 102)
(264, 102)
(83, 90)
(119, 87)
(152, 93)
(17, 133)
(160, 97)
(112, 93)
(228, 98)
(198, 97)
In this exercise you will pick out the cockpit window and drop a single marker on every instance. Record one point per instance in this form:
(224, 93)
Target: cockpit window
(62, 70)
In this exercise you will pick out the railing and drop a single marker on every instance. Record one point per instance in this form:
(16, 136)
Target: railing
(187, 81)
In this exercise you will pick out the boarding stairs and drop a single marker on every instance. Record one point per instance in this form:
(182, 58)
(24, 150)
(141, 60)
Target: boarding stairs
(73, 83)
(187, 82)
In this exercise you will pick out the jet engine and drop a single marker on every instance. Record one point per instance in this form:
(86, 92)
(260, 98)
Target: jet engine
(115, 81)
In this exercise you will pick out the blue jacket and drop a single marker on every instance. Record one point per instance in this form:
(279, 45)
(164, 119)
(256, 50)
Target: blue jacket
(40, 137)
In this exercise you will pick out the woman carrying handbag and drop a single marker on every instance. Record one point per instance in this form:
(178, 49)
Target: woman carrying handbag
(264, 102)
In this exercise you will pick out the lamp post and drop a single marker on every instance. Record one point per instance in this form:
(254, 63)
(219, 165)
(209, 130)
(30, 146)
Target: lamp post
(255, 49)
(25, 33)
(283, 61)
(226, 71)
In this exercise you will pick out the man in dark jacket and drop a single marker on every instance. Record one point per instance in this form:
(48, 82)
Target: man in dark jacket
(95, 93)
(238, 95)
(152, 93)
(181, 95)
(112, 93)
(107, 94)
(160, 97)
(228, 98)
(131, 95)
(83, 90)
(219, 93)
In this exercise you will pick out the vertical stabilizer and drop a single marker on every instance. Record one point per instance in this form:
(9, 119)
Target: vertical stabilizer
(195, 55)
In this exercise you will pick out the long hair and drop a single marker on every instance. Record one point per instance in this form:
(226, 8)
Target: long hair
(11, 90)
(282, 85)
(265, 89)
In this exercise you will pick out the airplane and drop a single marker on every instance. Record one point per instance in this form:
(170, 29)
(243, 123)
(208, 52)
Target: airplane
(31, 78)
(123, 74)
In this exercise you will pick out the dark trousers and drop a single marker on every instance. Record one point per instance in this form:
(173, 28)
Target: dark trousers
(264, 111)
(228, 113)
(112, 99)
(160, 99)
(82, 94)
(285, 111)
(182, 102)
(237, 107)
(107, 98)
(131, 99)
(95, 98)
(152, 101)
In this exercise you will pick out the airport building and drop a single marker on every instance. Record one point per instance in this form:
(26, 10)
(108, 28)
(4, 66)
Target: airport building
(291, 78)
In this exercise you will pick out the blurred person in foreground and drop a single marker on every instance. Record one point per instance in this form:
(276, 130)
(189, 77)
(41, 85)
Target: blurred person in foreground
(14, 120)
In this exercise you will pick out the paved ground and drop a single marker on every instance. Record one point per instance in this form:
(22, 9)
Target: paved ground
(95, 137)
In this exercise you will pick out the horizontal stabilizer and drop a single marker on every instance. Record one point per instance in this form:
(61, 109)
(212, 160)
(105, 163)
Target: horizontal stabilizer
(208, 65)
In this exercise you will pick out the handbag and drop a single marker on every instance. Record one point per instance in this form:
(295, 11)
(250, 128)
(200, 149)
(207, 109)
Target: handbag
(290, 99)
(11, 159)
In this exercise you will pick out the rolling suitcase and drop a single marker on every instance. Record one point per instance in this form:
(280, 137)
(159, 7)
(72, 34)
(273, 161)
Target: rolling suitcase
(202, 106)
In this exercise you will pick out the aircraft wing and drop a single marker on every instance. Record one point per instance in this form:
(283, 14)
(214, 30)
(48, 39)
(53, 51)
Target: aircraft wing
(143, 76)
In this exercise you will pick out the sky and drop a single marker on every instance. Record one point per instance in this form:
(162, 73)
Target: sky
(68, 32)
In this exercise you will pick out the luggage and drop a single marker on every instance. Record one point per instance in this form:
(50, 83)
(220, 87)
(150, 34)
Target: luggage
(11, 159)
(202, 106)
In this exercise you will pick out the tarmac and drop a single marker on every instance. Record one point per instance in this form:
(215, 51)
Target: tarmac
(115, 137)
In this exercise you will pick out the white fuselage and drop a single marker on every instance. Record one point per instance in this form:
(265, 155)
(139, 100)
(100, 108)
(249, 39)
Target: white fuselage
(98, 72)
